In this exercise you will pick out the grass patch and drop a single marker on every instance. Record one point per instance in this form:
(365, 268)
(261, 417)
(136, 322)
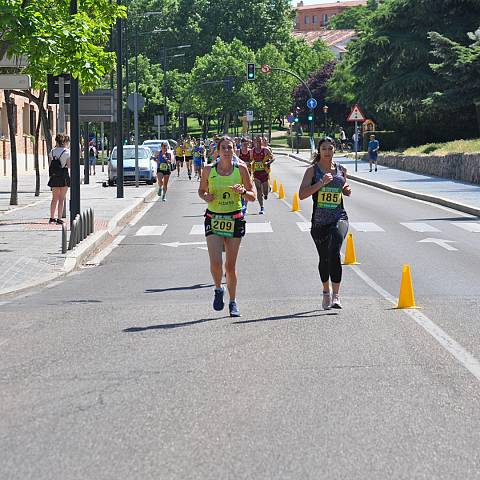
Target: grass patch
(456, 146)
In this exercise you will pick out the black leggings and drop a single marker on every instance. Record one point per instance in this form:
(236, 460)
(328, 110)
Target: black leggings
(328, 240)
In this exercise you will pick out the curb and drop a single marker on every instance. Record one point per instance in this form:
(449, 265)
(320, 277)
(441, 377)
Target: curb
(84, 249)
(407, 193)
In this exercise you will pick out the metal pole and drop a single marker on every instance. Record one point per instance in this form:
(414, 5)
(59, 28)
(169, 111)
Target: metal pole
(102, 143)
(86, 159)
(61, 104)
(75, 140)
(120, 193)
(127, 76)
(135, 121)
(356, 145)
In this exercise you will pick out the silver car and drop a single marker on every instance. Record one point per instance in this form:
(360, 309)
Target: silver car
(147, 171)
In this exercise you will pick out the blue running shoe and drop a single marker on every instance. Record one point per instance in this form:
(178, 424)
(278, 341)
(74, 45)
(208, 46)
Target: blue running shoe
(218, 303)
(234, 310)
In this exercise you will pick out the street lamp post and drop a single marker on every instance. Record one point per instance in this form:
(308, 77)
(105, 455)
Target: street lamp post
(120, 192)
(325, 111)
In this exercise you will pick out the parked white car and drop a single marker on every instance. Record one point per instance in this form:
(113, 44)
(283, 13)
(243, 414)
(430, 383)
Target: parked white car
(147, 167)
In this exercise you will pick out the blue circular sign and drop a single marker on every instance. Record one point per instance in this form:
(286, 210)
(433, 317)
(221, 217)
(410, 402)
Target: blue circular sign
(311, 103)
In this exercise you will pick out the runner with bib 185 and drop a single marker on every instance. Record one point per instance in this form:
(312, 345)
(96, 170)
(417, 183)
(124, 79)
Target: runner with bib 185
(326, 182)
(222, 186)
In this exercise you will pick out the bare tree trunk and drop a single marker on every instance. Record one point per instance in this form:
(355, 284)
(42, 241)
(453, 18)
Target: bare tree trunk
(226, 123)
(13, 147)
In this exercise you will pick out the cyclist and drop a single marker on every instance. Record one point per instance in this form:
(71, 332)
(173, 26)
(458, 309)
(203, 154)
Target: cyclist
(222, 186)
(326, 182)
(164, 168)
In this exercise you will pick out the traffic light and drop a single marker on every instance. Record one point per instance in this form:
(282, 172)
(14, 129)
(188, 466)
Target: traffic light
(296, 119)
(250, 71)
(310, 116)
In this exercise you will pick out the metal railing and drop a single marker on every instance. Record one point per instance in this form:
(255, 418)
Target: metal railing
(82, 226)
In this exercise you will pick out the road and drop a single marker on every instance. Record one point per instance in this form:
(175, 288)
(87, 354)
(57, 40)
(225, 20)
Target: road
(123, 370)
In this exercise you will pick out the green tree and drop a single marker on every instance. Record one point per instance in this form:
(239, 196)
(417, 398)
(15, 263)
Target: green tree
(352, 18)
(56, 42)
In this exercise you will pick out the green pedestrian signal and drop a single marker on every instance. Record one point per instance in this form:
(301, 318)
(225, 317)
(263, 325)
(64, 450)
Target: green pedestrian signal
(250, 71)
(310, 117)
(297, 119)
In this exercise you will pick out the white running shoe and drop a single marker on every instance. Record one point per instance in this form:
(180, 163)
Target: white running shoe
(326, 301)
(336, 301)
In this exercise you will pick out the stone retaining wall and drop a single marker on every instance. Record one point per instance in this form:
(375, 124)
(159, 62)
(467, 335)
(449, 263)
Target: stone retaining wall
(457, 166)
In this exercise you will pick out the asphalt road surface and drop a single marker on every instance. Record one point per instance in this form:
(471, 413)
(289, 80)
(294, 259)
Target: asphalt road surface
(124, 371)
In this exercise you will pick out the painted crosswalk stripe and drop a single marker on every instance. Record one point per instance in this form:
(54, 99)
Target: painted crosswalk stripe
(304, 226)
(366, 227)
(468, 226)
(419, 227)
(251, 228)
(156, 230)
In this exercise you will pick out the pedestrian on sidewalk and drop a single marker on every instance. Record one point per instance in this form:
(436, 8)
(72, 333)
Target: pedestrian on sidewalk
(58, 169)
(373, 146)
(326, 182)
(222, 186)
(92, 157)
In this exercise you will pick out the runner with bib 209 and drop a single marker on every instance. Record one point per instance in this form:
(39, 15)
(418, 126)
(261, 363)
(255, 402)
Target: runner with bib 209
(222, 186)
(326, 182)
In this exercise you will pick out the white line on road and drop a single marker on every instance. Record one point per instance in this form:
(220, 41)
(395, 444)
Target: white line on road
(441, 243)
(419, 227)
(448, 343)
(258, 227)
(304, 226)
(180, 244)
(3, 342)
(197, 230)
(153, 230)
(366, 227)
(468, 226)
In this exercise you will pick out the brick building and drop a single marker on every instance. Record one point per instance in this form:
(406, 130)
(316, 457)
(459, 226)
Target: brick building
(26, 116)
(316, 17)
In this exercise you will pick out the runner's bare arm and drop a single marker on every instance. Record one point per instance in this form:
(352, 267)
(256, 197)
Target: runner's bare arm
(307, 189)
(346, 190)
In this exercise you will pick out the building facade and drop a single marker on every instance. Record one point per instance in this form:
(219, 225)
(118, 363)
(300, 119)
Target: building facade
(310, 18)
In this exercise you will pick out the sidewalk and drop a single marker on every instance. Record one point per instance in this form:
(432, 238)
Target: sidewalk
(461, 196)
(30, 248)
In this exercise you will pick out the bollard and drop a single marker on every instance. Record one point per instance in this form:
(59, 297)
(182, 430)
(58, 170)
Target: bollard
(64, 239)
(83, 226)
(92, 220)
(87, 223)
(77, 230)
(64, 213)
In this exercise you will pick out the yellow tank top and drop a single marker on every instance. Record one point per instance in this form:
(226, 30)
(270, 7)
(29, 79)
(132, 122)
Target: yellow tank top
(188, 150)
(179, 151)
(226, 200)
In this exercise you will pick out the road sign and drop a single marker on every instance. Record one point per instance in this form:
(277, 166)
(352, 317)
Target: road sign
(96, 106)
(159, 120)
(311, 103)
(249, 115)
(131, 100)
(53, 88)
(291, 119)
(266, 69)
(11, 82)
(356, 115)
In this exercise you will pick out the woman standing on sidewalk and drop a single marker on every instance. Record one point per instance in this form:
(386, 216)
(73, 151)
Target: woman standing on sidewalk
(326, 182)
(58, 169)
(222, 186)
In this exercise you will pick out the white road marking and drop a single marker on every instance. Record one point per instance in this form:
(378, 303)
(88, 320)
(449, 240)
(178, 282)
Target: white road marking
(3, 342)
(143, 212)
(197, 230)
(447, 342)
(419, 227)
(97, 259)
(468, 226)
(179, 244)
(203, 248)
(153, 230)
(464, 357)
(259, 227)
(304, 226)
(366, 227)
(4, 303)
(8, 212)
(440, 242)
(54, 284)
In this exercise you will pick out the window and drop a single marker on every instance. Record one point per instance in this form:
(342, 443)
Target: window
(314, 19)
(33, 121)
(307, 19)
(325, 19)
(50, 119)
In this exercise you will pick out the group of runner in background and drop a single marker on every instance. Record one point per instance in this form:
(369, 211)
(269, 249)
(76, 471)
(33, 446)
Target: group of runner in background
(194, 154)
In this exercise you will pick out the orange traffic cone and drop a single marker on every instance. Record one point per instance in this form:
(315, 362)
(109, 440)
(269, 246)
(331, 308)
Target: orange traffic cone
(350, 258)
(406, 297)
(295, 204)
(281, 192)
(274, 188)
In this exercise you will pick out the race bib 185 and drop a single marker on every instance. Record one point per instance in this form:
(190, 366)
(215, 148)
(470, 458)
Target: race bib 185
(329, 197)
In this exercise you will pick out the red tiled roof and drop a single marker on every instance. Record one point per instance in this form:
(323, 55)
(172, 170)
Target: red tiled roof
(350, 3)
(330, 37)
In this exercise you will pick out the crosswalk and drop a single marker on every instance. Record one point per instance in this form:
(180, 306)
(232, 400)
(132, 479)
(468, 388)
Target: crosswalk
(268, 227)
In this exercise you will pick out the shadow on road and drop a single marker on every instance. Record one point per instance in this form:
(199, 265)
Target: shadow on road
(178, 289)
(168, 326)
(289, 317)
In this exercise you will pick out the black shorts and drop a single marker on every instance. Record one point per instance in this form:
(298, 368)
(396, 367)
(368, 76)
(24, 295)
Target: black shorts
(189, 159)
(59, 181)
(165, 173)
(222, 222)
(179, 160)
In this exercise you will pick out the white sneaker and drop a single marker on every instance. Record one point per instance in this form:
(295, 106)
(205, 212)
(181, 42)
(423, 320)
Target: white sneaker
(326, 301)
(336, 301)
